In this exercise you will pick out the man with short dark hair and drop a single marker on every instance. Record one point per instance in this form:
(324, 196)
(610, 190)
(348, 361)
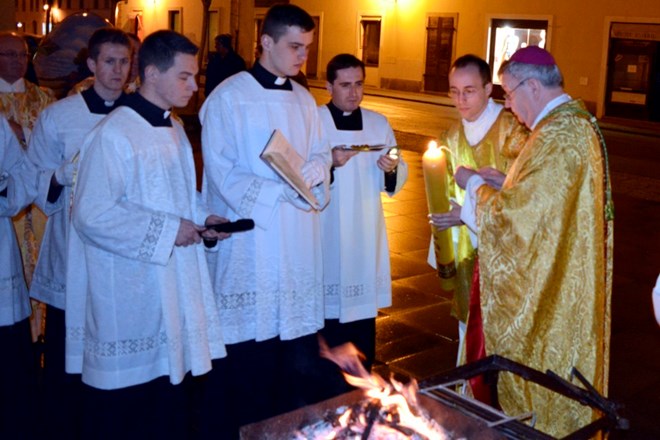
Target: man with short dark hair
(140, 312)
(224, 63)
(544, 236)
(268, 281)
(58, 134)
(486, 136)
(356, 260)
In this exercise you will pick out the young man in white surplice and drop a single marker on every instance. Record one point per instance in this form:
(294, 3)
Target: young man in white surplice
(268, 281)
(356, 260)
(140, 312)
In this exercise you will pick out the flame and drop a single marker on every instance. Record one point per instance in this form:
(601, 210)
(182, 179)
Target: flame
(395, 402)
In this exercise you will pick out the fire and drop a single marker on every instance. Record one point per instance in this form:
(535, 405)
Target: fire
(391, 410)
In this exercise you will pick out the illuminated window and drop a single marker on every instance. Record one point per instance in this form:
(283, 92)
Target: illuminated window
(509, 35)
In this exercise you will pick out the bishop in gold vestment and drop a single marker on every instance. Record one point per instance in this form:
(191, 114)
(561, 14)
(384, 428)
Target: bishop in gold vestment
(545, 246)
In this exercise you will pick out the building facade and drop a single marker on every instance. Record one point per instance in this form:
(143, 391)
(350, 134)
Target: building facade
(609, 56)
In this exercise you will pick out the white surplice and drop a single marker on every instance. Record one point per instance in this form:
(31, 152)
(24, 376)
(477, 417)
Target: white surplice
(18, 177)
(356, 258)
(57, 136)
(137, 306)
(268, 281)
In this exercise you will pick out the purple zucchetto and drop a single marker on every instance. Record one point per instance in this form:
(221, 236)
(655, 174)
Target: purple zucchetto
(533, 55)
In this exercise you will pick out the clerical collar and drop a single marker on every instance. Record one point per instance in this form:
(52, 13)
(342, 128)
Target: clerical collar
(346, 121)
(551, 105)
(476, 130)
(98, 105)
(153, 114)
(17, 86)
(268, 80)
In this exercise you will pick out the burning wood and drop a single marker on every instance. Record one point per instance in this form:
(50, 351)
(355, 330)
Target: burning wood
(389, 411)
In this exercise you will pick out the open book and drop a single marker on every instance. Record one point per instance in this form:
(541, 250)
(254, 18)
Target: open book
(287, 163)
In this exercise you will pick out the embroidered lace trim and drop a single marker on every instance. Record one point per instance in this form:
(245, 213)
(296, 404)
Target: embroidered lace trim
(126, 347)
(250, 198)
(237, 300)
(148, 246)
(353, 291)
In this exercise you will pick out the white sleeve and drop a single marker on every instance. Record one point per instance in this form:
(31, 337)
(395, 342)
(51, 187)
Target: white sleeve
(656, 300)
(45, 152)
(468, 212)
(105, 218)
(17, 172)
(227, 178)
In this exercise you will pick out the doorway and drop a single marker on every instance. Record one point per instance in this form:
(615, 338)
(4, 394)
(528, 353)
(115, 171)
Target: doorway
(439, 52)
(633, 72)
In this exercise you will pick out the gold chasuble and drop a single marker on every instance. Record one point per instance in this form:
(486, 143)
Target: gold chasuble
(24, 108)
(545, 256)
(498, 149)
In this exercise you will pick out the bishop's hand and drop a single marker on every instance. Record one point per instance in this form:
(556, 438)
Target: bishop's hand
(492, 177)
(462, 175)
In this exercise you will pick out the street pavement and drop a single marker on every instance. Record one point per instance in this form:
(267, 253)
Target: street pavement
(417, 337)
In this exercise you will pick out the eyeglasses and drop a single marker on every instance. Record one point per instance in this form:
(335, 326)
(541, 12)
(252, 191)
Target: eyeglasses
(467, 93)
(15, 55)
(509, 96)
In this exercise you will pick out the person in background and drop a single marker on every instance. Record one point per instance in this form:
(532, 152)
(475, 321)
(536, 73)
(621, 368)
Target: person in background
(224, 63)
(356, 260)
(21, 102)
(268, 281)
(133, 81)
(54, 146)
(140, 312)
(18, 376)
(544, 237)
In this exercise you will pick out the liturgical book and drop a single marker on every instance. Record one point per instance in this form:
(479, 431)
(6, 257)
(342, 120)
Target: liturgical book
(287, 163)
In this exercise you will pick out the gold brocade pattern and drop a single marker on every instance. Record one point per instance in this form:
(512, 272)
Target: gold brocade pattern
(497, 149)
(545, 250)
(24, 107)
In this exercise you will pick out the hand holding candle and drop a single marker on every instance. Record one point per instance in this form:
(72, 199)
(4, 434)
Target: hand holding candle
(434, 164)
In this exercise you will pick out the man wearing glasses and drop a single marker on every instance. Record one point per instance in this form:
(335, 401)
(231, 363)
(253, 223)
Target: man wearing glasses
(545, 245)
(486, 136)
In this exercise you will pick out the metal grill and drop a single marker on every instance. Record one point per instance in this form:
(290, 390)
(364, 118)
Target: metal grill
(442, 388)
